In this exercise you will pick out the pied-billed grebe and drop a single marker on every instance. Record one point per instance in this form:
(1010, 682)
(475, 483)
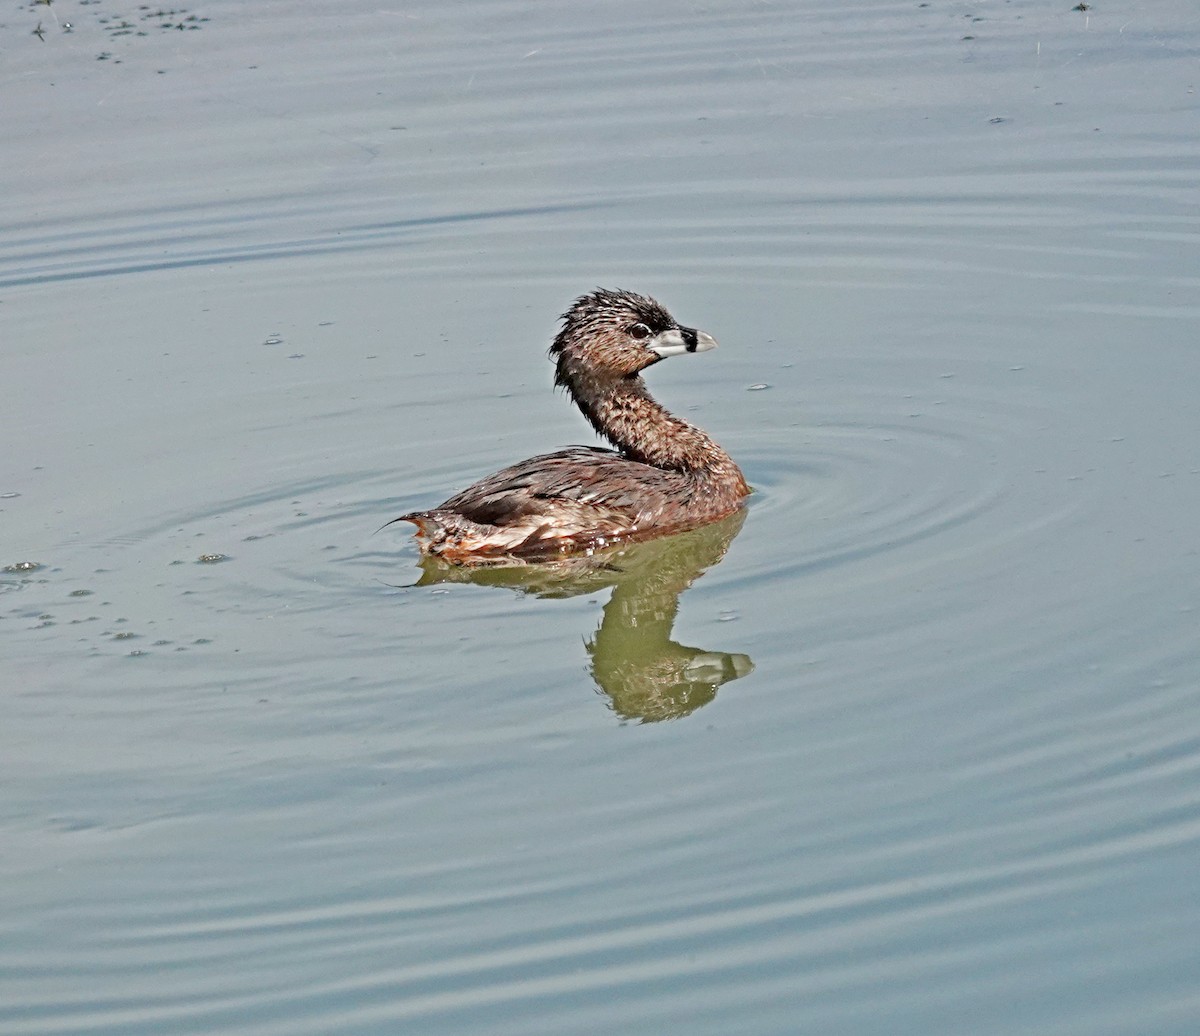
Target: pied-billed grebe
(665, 476)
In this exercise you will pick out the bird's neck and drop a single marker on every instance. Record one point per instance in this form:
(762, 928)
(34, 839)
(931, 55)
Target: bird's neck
(623, 412)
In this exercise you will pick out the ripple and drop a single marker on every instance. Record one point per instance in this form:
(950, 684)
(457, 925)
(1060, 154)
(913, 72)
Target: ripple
(871, 477)
(199, 237)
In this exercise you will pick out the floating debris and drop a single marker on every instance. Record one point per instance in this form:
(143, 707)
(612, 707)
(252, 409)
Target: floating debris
(147, 19)
(23, 566)
(211, 559)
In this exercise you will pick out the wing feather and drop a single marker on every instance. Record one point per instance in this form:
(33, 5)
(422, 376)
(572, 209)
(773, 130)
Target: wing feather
(572, 484)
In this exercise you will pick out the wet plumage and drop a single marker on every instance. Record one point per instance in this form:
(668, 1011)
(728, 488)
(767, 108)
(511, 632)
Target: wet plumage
(663, 476)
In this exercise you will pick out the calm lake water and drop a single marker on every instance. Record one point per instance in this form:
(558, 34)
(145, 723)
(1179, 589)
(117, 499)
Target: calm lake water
(915, 749)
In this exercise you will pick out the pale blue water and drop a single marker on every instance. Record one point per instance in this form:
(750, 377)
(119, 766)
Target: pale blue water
(918, 752)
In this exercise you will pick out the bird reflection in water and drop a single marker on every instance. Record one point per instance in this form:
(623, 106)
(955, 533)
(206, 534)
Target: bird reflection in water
(646, 675)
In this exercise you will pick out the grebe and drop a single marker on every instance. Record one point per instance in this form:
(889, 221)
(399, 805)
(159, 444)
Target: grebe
(665, 476)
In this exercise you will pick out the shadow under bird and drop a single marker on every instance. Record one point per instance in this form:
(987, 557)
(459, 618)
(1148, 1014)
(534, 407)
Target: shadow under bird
(664, 474)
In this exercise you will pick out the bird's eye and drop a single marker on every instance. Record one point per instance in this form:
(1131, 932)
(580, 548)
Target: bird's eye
(639, 331)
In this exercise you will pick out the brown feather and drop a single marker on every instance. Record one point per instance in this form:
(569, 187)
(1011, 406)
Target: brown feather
(666, 475)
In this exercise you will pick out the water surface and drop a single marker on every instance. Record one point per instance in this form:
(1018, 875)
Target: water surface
(914, 750)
